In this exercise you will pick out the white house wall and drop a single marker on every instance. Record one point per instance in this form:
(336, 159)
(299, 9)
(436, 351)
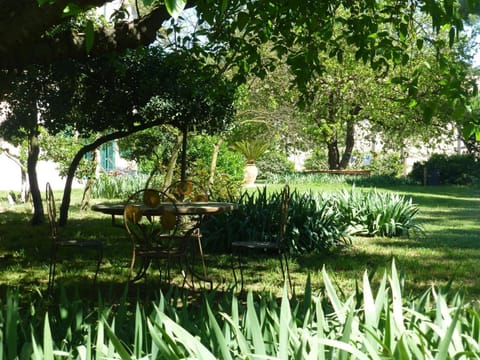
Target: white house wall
(11, 177)
(366, 143)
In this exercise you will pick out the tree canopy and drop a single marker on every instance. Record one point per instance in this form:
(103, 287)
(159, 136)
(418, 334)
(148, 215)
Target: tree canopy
(40, 31)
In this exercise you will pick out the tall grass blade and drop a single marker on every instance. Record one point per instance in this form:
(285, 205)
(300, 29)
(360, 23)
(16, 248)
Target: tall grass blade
(345, 347)
(47, 340)
(444, 348)
(332, 296)
(321, 329)
(397, 306)
(11, 325)
(222, 343)
(138, 341)
(116, 342)
(252, 325)
(165, 344)
(191, 343)
(285, 323)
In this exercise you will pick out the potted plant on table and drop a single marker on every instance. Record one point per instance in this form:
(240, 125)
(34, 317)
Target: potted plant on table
(251, 150)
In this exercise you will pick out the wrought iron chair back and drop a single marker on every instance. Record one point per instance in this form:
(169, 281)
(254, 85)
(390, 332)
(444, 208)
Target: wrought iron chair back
(154, 234)
(277, 245)
(188, 191)
(58, 242)
(191, 191)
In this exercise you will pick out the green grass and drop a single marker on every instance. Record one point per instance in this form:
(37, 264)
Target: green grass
(448, 250)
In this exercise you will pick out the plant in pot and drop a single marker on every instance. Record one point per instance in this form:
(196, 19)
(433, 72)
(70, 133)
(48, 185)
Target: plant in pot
(251, 150)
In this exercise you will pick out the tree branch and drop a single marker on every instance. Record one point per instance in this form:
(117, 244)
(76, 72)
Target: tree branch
(24, 39)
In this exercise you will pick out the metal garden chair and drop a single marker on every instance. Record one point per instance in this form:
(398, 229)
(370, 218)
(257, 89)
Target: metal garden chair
(58, 242)
(277, 245)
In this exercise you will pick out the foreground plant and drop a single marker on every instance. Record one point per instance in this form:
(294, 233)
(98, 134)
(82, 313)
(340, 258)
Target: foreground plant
(364, 325)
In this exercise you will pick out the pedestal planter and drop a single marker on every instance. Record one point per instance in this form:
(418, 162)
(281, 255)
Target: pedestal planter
(250, 173)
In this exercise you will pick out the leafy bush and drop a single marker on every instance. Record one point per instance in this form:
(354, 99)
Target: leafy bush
(273, 163)
(443, 169)
(374, 213)
(317, 223)
(317, 160)
(200, 152)
(364, 325)
(386, 164)
(313, 226)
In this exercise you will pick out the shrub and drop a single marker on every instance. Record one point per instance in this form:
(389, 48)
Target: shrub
(377, 180)
(443, 169)
(317, 160)
(317, 223)
(313, 226)
(273, 163)
(364, 325)
(386, 164)
(373, 213)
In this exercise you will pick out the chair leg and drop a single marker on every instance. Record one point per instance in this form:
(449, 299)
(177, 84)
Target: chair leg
(99, 261)
(233, 269)
(285, 270)
(288, 274)
(52, 268)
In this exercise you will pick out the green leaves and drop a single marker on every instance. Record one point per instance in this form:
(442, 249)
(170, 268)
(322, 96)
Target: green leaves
(470, 129)
(43, 2)
(363, 325)
(377, 213)
(175, 7)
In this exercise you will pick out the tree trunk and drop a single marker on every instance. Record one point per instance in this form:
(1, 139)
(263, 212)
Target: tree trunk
(213, 163)
(87, 191)
(173, 161)
(333, 154)
(24, 192)
(62, 221)
(33, 152)
(25, 189)
(349, 144)
(332, 141)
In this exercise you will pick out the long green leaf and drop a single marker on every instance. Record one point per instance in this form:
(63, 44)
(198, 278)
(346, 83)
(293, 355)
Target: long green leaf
(47, 340)
(195, 347)
(11, 325)
(285, 320)
(357, 354)
(253, 326)
(116, 342)
(162, 342)
(224, 350)
(397, 306)
(332, 296)
(443, 348)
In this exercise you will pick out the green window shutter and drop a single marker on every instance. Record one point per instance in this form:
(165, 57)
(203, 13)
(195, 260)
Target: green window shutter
(107, 156)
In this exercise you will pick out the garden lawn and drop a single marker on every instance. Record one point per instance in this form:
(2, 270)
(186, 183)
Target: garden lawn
(449, 249)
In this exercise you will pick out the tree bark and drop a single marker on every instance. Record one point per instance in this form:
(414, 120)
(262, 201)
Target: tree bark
(87, 191)
(173, 160)
(23, 173)
(24, 26)
(33, 152)
(213, 163)
(333, 154)
(332, 141)
(78, 157)
(349, 144)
